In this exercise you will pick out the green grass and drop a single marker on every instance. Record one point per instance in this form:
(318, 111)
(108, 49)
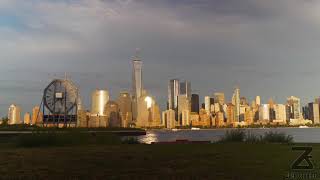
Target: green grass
(71, 138)
(226, 161)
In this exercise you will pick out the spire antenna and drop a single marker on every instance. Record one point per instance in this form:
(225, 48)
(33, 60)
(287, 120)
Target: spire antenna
(137, 54)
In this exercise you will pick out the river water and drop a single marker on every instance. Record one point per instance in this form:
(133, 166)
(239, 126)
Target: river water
(300, 135)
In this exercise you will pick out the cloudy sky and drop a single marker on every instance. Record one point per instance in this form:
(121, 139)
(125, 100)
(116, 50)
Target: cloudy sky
(267, 47)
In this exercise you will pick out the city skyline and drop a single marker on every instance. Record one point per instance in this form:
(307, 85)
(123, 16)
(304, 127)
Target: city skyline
(258, 46)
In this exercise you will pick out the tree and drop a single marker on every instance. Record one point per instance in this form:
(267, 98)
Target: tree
(4, 121)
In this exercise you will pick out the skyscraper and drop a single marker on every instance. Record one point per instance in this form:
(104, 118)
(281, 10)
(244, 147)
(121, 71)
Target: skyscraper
(243, 101)
(175, 89)
(264, 112)
(185, 89)
(295, 108)
(236, 103)
(27, 118)
(137, 77)
(173, 93)
(219, 97)
(14, 114)
(113, 116)
(183, 109)
(313, 109)
(258, 101)
(195, 103)
(37, 115)
(125, 108)
(207, 104)
(98, 102)
(280, 111)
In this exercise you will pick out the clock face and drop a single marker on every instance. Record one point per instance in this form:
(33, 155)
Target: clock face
(60, 96)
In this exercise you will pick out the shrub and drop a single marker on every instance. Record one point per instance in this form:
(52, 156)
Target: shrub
(235, 135)
(239, 135)
(275, 137)
(252, 138)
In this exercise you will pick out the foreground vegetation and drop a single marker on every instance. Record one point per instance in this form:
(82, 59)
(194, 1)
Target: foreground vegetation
(239, 135)
(75, 154)
(206, 161)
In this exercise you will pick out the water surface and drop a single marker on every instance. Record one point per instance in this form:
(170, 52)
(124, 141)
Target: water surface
(300, 135)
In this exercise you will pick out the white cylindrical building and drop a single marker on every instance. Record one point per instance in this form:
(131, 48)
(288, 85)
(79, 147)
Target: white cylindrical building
(14, 114)
(98, 102)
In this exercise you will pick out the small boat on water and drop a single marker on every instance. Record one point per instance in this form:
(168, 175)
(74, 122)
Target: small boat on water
(303, 126)
(195, 128)
(174, 130)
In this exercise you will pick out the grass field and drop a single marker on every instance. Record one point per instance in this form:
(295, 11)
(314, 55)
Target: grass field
(237, 161)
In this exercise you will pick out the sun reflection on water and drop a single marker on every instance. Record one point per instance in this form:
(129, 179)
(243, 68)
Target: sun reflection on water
(149, 138)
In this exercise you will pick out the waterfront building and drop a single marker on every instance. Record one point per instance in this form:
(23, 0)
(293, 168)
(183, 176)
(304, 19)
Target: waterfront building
(27, 118)
(149, 112)
(83, 118)
(230, 114)
(112, 113)
(305, 112)
(137, 85)
(242, 113)
(288, 112)
(248, 117)
(99, 99)
(183, 108)
(185, 121)
(125, 108)
(173, 93)
(280, 113)
(168, 119)
(264, 112)
(313, 109)
(296, 122)
(37, 116)
(272, 113)
(185, 89)
(204, 119)
(207, 104)
(14, 114)
(258, 100)
(243, 101)
(194, 119)
(236, 103)
(96, 120)
(156, 115)
(219, 119)
(219, 98)
(217, 108)
(195, 103)
(295, 107)
(180, 90)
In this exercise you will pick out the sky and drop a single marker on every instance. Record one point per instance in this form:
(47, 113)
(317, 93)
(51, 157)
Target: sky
(267, 48)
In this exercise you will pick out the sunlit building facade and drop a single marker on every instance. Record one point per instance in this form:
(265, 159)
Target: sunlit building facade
(295, 107)
(27, 118)
(14, 114)
(99, 99)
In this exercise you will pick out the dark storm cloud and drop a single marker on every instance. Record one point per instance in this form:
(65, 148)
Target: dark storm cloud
(268, 48)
